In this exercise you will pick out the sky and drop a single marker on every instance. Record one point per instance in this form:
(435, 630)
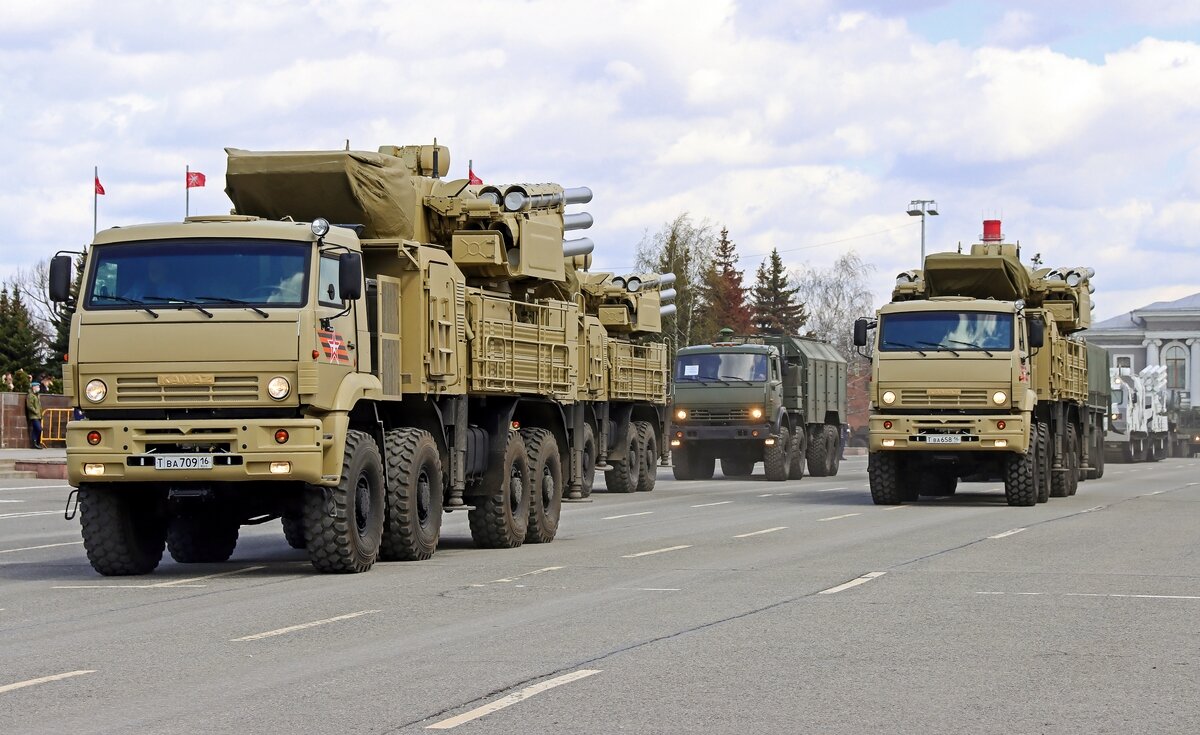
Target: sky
(803, 125)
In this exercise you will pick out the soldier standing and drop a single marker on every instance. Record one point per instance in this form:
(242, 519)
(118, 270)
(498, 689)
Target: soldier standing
(33, 412)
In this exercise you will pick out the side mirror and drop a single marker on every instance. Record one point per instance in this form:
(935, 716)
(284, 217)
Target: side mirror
(1037, 333)
(59, 284)
(350, 276)
(860, 332)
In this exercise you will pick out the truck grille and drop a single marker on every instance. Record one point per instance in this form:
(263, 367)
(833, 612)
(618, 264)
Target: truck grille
(966, 398)
(225, 389)
(718, 415)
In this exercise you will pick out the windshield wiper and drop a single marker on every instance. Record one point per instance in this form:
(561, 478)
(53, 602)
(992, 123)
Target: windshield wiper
(227, 300)
(939, 346)
(904, 345)
(140, 304)
(735, 377)
(972, 345)
(181, 300)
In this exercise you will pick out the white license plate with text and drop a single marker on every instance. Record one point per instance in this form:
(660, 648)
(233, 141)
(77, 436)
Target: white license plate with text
(183, 462)
(943, 439)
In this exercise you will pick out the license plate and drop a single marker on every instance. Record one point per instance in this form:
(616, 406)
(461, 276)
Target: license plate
(183, 462)
(943, 439)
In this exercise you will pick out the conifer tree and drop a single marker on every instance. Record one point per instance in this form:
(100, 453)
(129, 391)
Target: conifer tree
(723, 293)
(776, 308)
(20, 340)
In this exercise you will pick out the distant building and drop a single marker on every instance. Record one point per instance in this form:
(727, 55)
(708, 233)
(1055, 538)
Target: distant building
(1164, 333)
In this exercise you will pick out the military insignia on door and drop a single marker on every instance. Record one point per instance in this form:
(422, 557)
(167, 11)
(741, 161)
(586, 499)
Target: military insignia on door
(334, 347)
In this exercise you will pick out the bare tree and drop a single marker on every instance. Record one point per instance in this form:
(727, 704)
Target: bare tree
(685, 249)
(835, 297)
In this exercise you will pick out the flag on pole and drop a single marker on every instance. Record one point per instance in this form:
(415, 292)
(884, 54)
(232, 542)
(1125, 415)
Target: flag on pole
(194, 178)
(471, 177)
(99, 186)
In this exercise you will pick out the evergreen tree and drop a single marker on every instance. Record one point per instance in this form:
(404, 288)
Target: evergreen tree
(723, 294)
(682, 248)
(776, 309)
(20, 339)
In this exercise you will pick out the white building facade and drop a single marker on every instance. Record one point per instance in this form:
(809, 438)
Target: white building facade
(1164, 333)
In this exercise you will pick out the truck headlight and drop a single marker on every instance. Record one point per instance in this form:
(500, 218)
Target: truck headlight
(95, 391)
(681, 414)
(999, 398)
(756, 413)
(279, 387)
(888, 397)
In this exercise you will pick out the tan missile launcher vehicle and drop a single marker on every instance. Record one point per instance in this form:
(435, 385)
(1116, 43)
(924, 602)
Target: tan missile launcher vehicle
(437, 347)
(979, 371)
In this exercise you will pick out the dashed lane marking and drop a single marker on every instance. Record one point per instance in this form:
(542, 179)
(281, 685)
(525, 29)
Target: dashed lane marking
(512, 699)
(706, 505)
(1094, 594)
(543, 570)
(188, 582)
(12, 501)
(897, 507)
(836, 518)
(627, 515)
(44, 680)
(302, 626)
(43, 546)
(35, 487)
(1011, 532)
(657, 551)
(852, 583)
(830, 489)
(759, 533)
(29, 514)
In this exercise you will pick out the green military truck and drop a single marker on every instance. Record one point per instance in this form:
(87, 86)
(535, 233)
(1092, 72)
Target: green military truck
(775, 399)
(979, 372)
(443, 349)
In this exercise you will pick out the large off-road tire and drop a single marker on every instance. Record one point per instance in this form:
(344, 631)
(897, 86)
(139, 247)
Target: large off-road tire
(1060, 485)
(736, 467)
(799, 454)
(818, 452)
(833, 439)
(588, 470)
(412, 520)
(1045, 465)
(546, 485)
(343, 525)
(648, 475)
(202, 536)
(625, 473)
(702, 466)
(124, 530)
(883, 471)
(1021, 474)
(777, 457)
(1098, 457)
(293, 530)
(500, 518)
(681, 464)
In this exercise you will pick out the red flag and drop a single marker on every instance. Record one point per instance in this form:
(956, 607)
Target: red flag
(472, 179)
(195, 178)
(99, 187)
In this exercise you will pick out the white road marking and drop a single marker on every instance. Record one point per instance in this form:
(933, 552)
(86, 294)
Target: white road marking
(1092, 510)
(660, 589)
(830, 489)
(1158, 492)
(1008, 533)
(30, 514)
(519, 576)
(36, 487)
(852, 583)
(44, 680)
(766, 495)
(512, 699)
(302, 626)
(1099, 594)
(1190, 484)
(170, 584)
(12, 501)
(835, 518)
(897, 507)
(757, 533)
(627, 515)
(657, 551)
(43, 546)
(705, 505)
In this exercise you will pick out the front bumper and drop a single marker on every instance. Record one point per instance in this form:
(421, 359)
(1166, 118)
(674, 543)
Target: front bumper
(975, 433)
(242, 450)
(694, 434)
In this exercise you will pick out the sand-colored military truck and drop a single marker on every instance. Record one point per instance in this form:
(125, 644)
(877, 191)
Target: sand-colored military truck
(359, 347)
(978, 371)
(775, 399)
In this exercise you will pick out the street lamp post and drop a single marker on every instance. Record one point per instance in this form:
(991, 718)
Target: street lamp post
(920, 208)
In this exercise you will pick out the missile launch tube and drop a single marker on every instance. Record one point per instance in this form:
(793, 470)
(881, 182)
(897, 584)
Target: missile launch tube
(666, 279)
(666, 294)
(667, 310)
(579, 246)
(577, 221)
(577, 195)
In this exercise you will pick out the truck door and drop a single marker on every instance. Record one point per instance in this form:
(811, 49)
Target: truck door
(335, 334)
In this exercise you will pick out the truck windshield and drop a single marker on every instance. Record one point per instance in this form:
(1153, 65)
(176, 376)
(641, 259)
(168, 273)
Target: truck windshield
(218, 274)
(946, 331)
(721, 366)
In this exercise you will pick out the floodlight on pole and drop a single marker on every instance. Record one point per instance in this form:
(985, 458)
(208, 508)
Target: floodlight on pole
(920, 208)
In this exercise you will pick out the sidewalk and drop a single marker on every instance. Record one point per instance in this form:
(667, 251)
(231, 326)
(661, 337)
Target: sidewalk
(48, 464)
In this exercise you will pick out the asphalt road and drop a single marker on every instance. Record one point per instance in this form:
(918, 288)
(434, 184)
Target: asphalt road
(703, 607)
